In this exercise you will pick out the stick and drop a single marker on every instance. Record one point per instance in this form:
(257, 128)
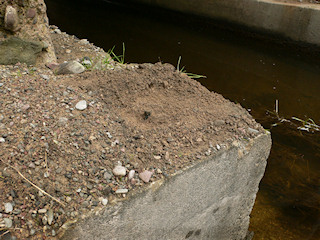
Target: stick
(44, 192)
(4, 233)
(277, 106)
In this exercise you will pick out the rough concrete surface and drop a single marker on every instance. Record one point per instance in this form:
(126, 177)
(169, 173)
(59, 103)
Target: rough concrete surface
(296, 21)
(210, 200)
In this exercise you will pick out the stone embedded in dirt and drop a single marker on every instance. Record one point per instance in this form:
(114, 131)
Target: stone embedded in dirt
(119, 171)
(31, 13)
(11, 19)
(81, 105)
(50, 216)
(52, 65)
(7, 222)
(42, 211)
(2, 140)
(62, 121)
(107, 175)
(122, 191)
(104, 201)
(131, 174)
(72, 67)
(8, 207)
(145, 176)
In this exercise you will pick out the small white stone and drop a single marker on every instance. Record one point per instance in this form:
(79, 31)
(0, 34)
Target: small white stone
(7, 222)
(131, 174)
(218, 146)
(8, 207)
(50, 216)
(119, 171)
(104, 201)
(157, 157)
(43, 210)
(2, 140)
(122, 191)
(81, 105)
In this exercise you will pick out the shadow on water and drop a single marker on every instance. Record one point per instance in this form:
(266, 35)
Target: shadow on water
(253, 72)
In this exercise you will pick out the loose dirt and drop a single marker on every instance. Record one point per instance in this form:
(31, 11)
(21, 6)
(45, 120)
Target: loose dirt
(144, 116)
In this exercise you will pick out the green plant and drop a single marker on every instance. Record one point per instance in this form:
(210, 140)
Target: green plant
(118, 58)
(191, 75)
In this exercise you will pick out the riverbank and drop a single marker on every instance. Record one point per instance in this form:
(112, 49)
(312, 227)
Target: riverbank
(152, 120)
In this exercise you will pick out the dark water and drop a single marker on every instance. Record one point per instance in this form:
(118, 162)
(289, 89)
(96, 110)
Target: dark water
(253, 72)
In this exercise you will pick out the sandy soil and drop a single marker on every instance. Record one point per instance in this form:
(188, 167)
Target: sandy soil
(147, 117)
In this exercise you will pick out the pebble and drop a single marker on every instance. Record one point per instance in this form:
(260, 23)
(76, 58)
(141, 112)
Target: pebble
(7, 222)
(157, 157)
(131, 174)
(122, 190)
(107, 176)
(50, 216)
(251, 130)
(57, 31)
(2, 140)
(8, 207)
(43, 210)
(68, 199)
(119, 171)
(53, 233)
(145, 176)
(218, 147)
(44, 220)
(32, 231)
(81, 105)
(104, 201)
(32, 165)
(45, 77)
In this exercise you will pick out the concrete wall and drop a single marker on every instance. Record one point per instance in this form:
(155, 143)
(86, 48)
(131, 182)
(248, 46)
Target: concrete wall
(210, 200)
(299, 22)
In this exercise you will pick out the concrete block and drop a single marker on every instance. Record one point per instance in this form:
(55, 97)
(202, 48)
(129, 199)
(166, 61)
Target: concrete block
(209, 200)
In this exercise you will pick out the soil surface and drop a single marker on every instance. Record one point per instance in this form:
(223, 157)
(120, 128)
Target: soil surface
(300, 1)
(150, 118)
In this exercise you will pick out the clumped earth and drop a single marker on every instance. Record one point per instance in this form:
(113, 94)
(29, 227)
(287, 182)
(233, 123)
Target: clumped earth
(138, 123)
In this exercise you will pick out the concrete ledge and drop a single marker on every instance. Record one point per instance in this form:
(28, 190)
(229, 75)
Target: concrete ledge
(298, 22)
(210, 200)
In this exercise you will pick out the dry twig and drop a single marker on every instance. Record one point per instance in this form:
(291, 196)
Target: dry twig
(44, 192)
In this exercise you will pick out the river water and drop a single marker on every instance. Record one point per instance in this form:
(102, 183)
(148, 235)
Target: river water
(252, 71)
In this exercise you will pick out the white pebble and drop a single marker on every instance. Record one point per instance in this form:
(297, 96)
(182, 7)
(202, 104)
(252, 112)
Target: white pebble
(122, 190)
(81, 105)
(7, 222)
(131, 174)
(2, 140)
(8, 207)
(119, 171)
(218, 146)
(104, 201)
(43, 210)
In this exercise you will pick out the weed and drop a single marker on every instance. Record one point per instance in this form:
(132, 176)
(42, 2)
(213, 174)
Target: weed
(118, 58)
(191, 75)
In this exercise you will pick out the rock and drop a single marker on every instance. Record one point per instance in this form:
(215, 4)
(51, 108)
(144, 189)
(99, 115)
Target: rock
(68, 199)
(44, 220)
(52, 65)
(14, 50)
(62, 121)
(57, 31)
(42, 211)
(122, 191)
(2, 140)
(32, 165)
(7, 222)
(145, 176)
(131, 174)
(53, 233)
(119, 171)
(157, 157)
(50, 216)
(107, 175)
(81, 105)
(254, 131)
(8, 207)
(104, 201)
(31, 13)
(32, 231)
(11, 19)
(45, 77)
(71, 67)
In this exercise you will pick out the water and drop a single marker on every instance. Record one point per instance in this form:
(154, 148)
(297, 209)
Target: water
(253, 72)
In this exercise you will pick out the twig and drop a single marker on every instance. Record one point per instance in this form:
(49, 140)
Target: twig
(277, 106)
(44, 192)
(4, 233)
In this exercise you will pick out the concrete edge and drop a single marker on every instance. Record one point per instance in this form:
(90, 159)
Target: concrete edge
(297, 22)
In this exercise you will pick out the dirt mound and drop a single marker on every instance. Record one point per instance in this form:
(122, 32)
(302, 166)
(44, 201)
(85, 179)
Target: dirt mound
(145, 116)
